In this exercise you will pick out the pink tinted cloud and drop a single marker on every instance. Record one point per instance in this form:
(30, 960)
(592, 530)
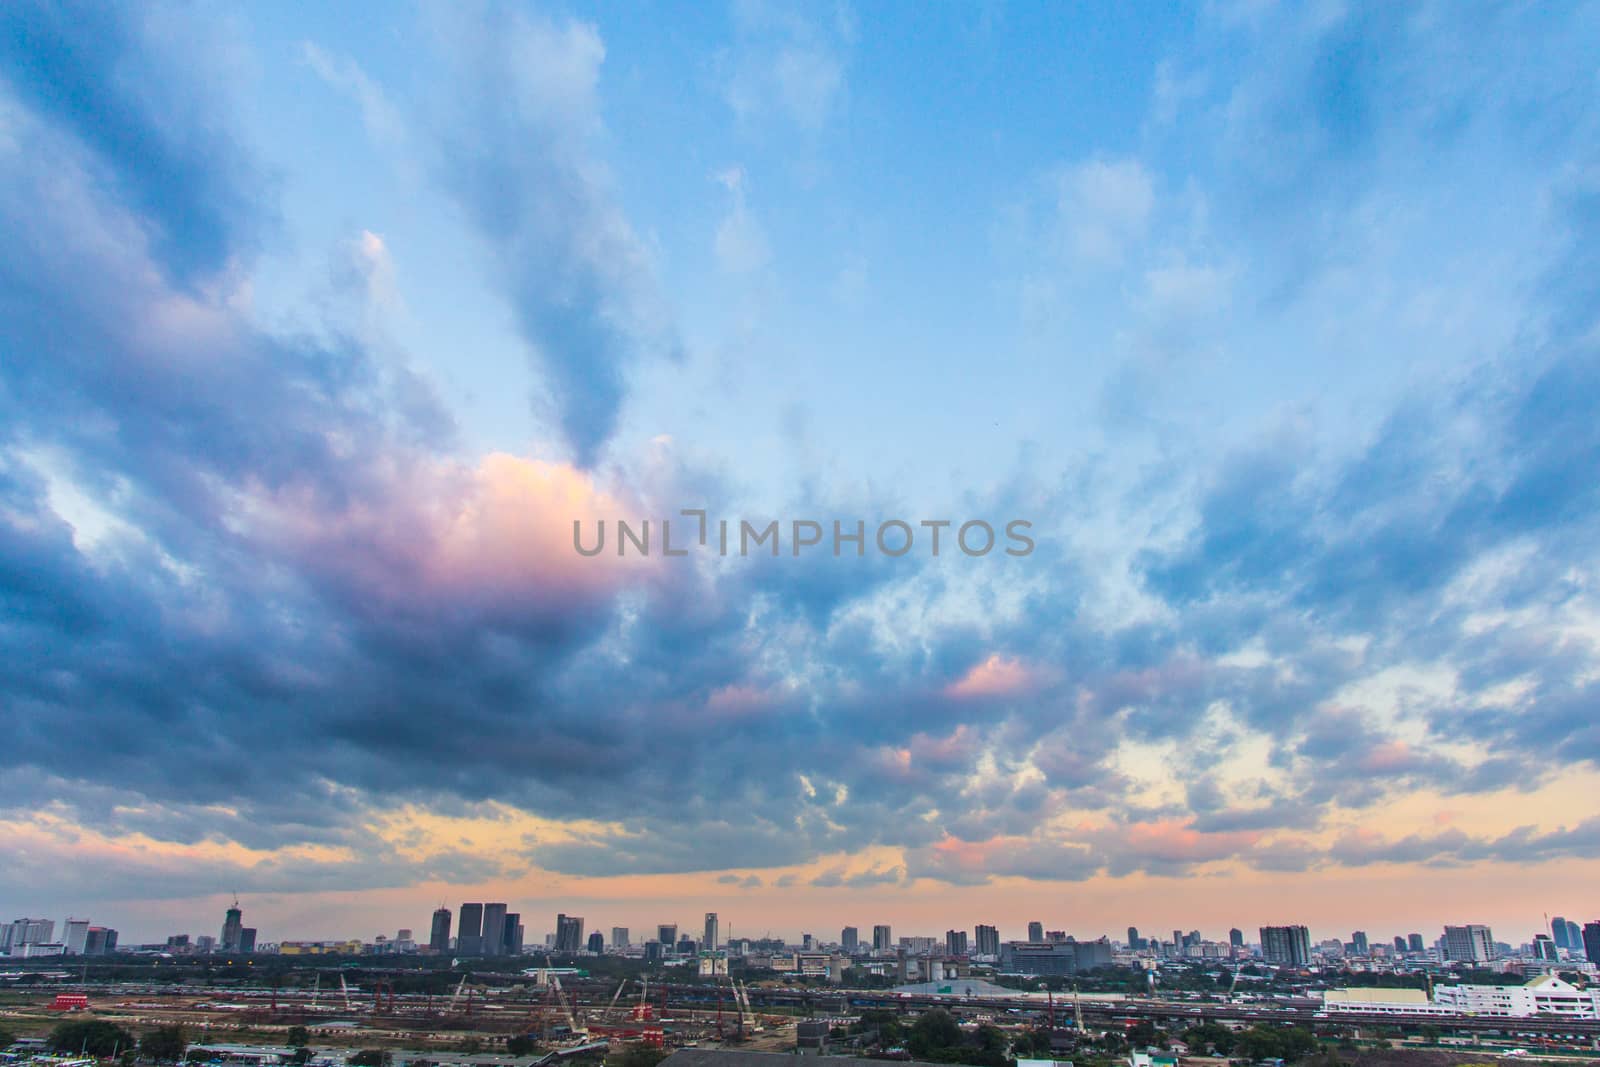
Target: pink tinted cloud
(997, 676)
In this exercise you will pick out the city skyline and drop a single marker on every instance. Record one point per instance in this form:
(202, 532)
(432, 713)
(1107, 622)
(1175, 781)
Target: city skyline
(322, 329)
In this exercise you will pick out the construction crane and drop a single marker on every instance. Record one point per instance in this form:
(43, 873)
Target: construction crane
(617, 995)
(345, 988)
(1077, 1009)
(566, 1008)
(457, 994)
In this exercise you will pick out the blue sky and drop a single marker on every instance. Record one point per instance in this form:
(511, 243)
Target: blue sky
(321, 325)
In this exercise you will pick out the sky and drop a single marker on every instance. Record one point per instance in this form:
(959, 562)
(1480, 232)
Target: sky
(320, 326)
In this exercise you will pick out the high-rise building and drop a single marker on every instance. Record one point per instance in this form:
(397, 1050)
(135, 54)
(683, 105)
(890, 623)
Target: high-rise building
(1236, 937)
(619, 937)
(439, 935)
(19, 933)
(1414, 943)
(569, 933)
(597, 942)
(247, 939)
(1358, 941)
(881, 938)
(494, 929)
(1286, 945)
(511, 945)
(986, 940)
(1591, 941)
(1472, 943)
(469, 932)
(955, 942)
(710, 941)
(77, 937)
(1574, 938)
(232, 928)
(1134, 941)
(101, 941)
(850, 939)
(1399, 943)
(1544, 947)
(1558, 933)
(1036, 931)
(667, 934)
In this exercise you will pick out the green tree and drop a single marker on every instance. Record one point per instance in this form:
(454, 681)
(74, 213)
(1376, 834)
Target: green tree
(520, 1045)
(7, 1038)
(640, 1055)
(370, 1057)
(302, 1056)
(1215, 1036)
(164, 1044)
(932, 1033)
(94, 1037)
(298, 1036)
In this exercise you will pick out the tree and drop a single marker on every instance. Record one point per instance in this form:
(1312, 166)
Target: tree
(370, 1057)
(302, 1056)
(7, 1039)
(520, 1045)
(164, 1044)
(932, 1033)
(641, 1055)
(94, 1037)
(298, 1036)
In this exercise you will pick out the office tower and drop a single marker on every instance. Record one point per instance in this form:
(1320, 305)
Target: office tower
(469, 932)
(1544, 948)
(808, 943)
(619, 937)
(667, 934)
(1286, 945)
(1414, 943)
(205, 943)
(881, 938)
(494, 930)
(247, 939)
(1574, 938)
(1558, 933)
(77, 936)
(1399, 943)
(1591, 941)
(986, 940)
(687, 946)
(1236, 937)
(101, 941)
(1036, 931)
(955, 942)
(232, 924)
(1358, 941)
(1472, 943)
(439, 935)
(709, 942)
(850, 939)
(1133, 939)
(1177, 941)
(597, 942)
(569, 933)
(512, 943)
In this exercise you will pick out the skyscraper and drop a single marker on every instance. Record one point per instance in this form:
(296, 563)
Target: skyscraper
(1472, 943)
(850, 938)
(232, 928)
(1544, 948)
(1286, 945)
(881, 938)
(1236, 937)
(494, 929)
(247, 939)
(955, 942)
(1399, 943)
(1558, 933)
(469, 933)
(439, 936)
(1414, 943)
(1574, 938)
(667, 934)
(1358, 941)
(569, 933)
(1591, 941)
(709, 942)
(77, 938)
(619, 937)
(511, 945)
(1134, 941)
(1036, 931)
(986, 940)
(597, 942)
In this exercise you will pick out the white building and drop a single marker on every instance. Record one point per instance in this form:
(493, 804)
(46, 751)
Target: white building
(1545, 995)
